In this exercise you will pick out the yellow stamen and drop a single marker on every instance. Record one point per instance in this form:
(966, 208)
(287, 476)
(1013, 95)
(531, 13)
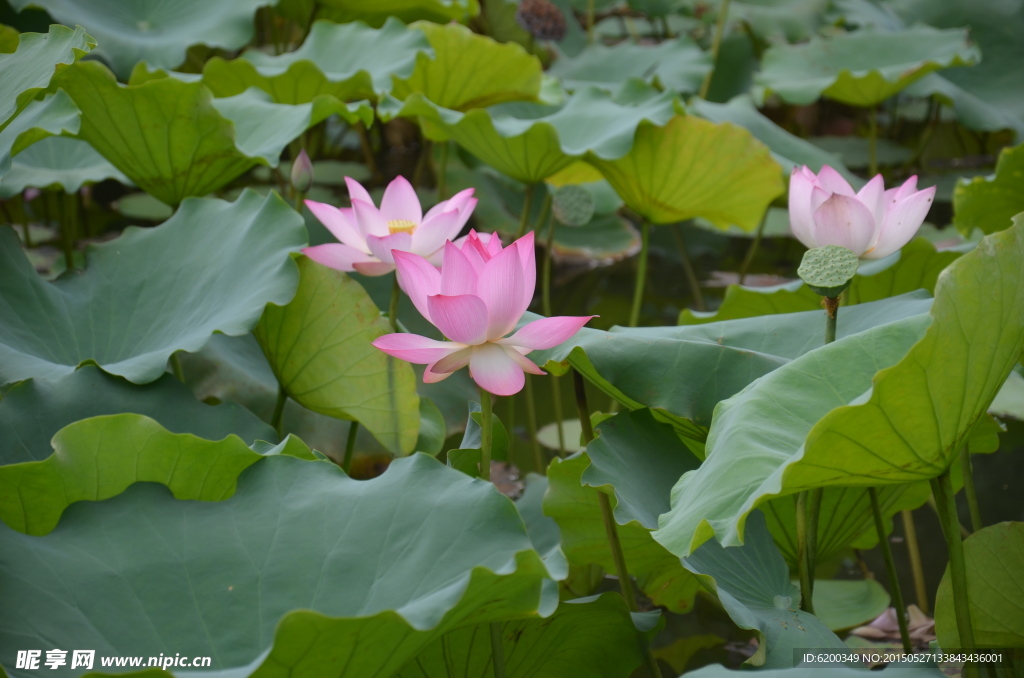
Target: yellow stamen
(401, 226)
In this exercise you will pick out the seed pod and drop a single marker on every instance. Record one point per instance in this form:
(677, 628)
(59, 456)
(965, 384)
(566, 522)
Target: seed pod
(572, 205)
(541, 19)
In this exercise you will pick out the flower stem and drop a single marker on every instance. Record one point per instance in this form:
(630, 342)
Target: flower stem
(531, 427)
(873, 141)
(831, 305)
(442, 172)
(556, 399)
(608, 517)
(590, 22)
(524, 216)
(497, 650)
(396, 294)
(641, 274)
(752, 251)
(803, 559)
(942, 488)
(485, 435)
(916, 565)
(350, 447)
(716, 44)
(69, 226)
(691, 275)
(890, 569)
(367, 148)
(547, 263)
(275, 419)
(969, 491)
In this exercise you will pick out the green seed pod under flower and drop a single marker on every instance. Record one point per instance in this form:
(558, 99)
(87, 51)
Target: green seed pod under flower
(572, 205)
(828, 270)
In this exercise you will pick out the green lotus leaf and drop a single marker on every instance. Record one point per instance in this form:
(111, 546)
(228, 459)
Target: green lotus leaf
(319, 348)
(846, 518)
(28, 70)
(1009, 401)
(863, 68)
(173, 139)
(986, 97)
(916, 267)
(595, 637)
(345, 61)
(542, 529)
(752, 583)
(264, 128)
(377, 12)
(691, 167)
(575, 508)
(470, 71)
(678, 65)
(780, 20)
(843, 604)
(58, 162)
(302, 570)
(530, 142)
(914, 388)
(995, 581)
(991, 203)
(32, 411)
(152, 31)
(101, 457)
(52, 115)
(9, 39)
(213, 266)
(787, 149)
(718, 359)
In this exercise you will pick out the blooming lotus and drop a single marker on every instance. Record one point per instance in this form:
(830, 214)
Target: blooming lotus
(873, 222)
(476, 299)
(367, 235)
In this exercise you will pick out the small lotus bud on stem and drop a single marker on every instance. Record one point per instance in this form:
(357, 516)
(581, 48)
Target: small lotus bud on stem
(302, 173)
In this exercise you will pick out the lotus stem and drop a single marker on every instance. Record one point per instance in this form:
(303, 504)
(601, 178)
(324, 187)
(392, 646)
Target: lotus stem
(367, 147)
(803, 560)
(641, 274)
(69, 226)
(890, 569)
(485, 435)
(524, 216)
(942, 488)
(486, 430)
(969, 491)
(716, 44)
(590, 22)
(421, 163)
(691, 274)
(442, 172)
(531, 427)
(275, 419)
(813, 514)
(873, 141)
(752, 250)
(547, 263)
(350, 447)
(497, 650)
(608, 517)
(831, 306)
(916, 565)
(396, 295)
(556, 399)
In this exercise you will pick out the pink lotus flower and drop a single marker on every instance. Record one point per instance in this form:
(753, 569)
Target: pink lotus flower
(873, 223)
(368, 235)
(478, 297)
